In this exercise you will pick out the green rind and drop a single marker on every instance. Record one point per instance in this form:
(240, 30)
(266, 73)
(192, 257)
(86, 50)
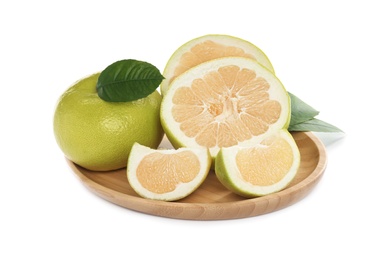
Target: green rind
(168, 131)
(225, 179)
(84, 126)
(220, 171)
(287, 124)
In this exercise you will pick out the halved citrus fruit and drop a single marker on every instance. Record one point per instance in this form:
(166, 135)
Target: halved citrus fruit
(209, 47)
(260, 169)
(224, 102)
(167, 174)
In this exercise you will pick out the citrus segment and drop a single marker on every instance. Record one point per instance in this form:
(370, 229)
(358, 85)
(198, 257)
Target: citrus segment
(224, 102)
(206, 48)
(167, 174)
(260, 169)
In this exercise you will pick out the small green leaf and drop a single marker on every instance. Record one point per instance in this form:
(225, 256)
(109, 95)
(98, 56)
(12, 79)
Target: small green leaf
(314, 125)
(128, 80)
(300, 111)
(303, 118)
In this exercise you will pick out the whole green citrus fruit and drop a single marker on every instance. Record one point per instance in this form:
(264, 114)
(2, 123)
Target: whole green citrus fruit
(98, 135)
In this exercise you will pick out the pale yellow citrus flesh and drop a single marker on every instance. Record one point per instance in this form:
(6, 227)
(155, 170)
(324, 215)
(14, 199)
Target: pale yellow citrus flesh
(205, 51)
(271, 162)
(167, 174)
(259, 169)
(161, 173)
(225, 107)
(206, 48)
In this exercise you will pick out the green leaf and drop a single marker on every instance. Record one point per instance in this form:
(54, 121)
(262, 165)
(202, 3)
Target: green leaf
(303, 118)
(314, 125)
(128, 80)
(300, 111)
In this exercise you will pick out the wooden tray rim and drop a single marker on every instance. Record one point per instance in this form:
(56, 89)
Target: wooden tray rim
(209, 211)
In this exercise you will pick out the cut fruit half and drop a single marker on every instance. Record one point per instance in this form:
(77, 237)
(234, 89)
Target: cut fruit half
(224, 102)
(261, 169)
(167, 174)
(209, 47)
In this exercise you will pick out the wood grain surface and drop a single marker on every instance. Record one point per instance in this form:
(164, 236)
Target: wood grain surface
(212, 201)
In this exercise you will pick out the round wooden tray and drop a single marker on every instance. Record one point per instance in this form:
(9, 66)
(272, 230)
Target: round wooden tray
(212, 201)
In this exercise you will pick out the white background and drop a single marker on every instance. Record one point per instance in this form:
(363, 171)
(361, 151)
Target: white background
(329, 53)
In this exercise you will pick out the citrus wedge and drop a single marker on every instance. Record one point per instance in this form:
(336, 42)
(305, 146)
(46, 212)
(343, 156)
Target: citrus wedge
(167, 175)
(224, 102)
(261, 169)
(209, 47)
